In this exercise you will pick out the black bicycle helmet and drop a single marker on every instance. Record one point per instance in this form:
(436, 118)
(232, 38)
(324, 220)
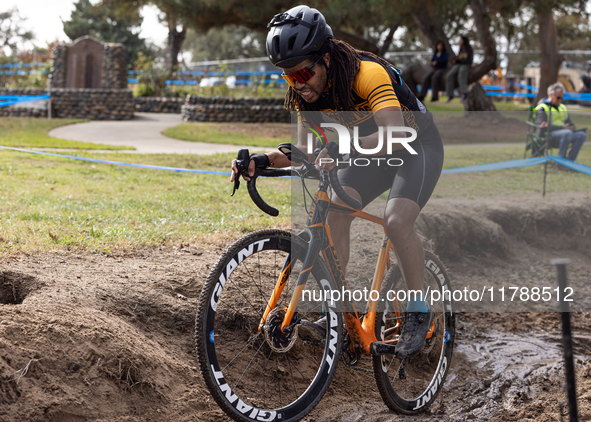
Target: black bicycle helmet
(296, 35)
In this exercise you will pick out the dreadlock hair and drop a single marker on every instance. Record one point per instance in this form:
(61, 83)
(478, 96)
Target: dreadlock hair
(343, 68)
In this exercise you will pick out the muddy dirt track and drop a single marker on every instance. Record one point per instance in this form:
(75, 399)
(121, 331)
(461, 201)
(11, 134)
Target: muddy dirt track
(88, 337)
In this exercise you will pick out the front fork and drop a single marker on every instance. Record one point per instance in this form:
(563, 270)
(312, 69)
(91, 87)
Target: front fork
(313, 250)
(308, 264)
(313, 230)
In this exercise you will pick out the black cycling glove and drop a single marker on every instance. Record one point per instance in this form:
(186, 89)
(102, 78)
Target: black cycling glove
(261, 160)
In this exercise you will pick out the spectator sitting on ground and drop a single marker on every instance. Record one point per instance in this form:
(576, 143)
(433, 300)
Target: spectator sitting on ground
(553, 115)
(432, 80)
(460, 70)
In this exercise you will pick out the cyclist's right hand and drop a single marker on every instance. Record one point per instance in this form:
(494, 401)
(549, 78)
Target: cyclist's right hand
(256, 160)
(331, 150)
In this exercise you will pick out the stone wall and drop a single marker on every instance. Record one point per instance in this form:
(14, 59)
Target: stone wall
(226, 109)
(116, 104)
(28, 109)
(158, 104)
(59, 57)
(114, 67)
(25, 110)
(23, 91)
(94, 104)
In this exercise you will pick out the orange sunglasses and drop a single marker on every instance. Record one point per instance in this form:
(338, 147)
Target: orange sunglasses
(302, 76)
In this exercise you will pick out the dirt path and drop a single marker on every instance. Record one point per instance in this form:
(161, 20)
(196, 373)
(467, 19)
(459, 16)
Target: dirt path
(95, 337)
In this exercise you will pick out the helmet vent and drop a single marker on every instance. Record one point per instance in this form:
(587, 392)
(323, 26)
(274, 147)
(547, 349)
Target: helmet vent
(291, 43)
(310, 35)
(316, 16)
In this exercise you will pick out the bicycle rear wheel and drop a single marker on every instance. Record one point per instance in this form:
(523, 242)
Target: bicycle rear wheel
(261, 374)
(410, 385)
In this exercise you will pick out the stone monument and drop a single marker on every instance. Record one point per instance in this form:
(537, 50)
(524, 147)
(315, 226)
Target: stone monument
(85, 64)
(89, 80)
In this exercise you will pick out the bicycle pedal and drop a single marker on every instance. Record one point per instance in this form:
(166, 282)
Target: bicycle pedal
(378, 348)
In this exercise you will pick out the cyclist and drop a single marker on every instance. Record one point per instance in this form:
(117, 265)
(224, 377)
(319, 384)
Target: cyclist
(325, 74)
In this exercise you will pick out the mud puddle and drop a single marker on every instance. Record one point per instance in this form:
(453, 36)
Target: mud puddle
(500, 370)
(495, 376)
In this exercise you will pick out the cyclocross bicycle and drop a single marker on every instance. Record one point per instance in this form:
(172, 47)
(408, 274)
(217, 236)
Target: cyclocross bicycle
(267, 355)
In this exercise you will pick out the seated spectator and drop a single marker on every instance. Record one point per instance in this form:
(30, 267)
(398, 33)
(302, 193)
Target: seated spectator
(460, 70)
(553, 115)
(432, 80)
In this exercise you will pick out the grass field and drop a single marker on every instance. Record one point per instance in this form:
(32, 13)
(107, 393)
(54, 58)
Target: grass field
(580, 116)
(215, 133)
(505, 182)
(23, 132)
(269, 136)
(51, 203)
(456, 105)
(110, 207)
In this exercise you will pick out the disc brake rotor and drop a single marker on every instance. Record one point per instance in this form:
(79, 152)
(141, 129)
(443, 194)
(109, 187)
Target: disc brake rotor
(278, 341)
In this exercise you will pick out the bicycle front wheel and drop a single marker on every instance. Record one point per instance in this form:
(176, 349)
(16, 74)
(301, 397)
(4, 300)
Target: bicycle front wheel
(254, 372)
(410, 385)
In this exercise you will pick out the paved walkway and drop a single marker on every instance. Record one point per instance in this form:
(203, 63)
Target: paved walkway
(143, 133)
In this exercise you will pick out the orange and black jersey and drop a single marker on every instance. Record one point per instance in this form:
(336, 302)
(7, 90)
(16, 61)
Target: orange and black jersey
(374, 89)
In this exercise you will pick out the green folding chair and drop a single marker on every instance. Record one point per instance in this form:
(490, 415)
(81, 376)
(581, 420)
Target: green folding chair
(537, 140)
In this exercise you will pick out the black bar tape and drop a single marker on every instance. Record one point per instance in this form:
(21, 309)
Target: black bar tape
(254, 194)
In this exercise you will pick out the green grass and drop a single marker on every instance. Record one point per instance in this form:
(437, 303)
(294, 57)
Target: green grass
(112, 207)
(222, 90)
(456, 105)
(28, 132)
(581, 117)
(49, 203)
(214, 133)
(505, 182)
(262, 137)
(254, 91)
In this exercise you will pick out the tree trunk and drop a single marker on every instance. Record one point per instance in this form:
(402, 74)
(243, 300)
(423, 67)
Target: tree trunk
(356, 41)
(550, 58)
(388, 41)
(174, 44)
(432, 28)
(487, 41)
(479, 106)
(413, 75)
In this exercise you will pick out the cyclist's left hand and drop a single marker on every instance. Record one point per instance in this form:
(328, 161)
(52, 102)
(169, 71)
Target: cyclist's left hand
(256, 160)
(234, 175)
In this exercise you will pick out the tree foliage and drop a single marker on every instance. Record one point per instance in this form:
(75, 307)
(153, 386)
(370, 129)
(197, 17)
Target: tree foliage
(174, 16)
(544, 25)
(12, 32)
(108, 26)
(229, 42)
